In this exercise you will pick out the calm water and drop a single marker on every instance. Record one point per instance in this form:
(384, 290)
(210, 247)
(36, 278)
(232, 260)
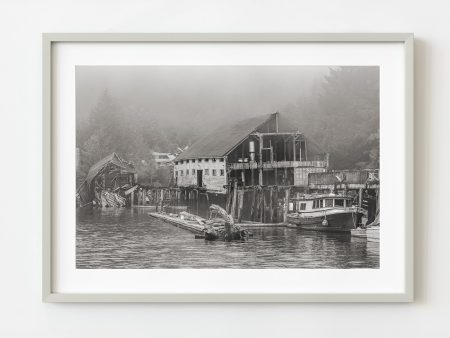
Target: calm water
(130, 239)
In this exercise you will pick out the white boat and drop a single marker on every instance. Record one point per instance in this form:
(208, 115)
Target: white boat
(373, 233)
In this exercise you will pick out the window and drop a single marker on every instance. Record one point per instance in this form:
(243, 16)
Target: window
(214, 172)
(214, 160)
(339, 203)
(221, 160)
(206, 172)
(181, 172)
(193, 171)
(222, 172)
(328, 203)
(321, 204)
(181, 162)
(302, 206)
(176, 173)
(187, 172)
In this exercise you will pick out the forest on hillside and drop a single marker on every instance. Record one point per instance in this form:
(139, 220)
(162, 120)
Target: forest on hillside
(340, 113)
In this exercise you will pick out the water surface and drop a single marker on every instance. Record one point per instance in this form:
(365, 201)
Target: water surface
(130, 239)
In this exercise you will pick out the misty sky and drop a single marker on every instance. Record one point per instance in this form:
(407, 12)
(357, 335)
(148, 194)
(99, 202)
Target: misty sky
(196, 95)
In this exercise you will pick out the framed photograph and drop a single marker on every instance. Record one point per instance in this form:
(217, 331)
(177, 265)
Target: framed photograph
(228, 167)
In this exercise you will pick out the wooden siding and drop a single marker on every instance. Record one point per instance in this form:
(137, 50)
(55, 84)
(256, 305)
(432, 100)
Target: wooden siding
(344, 178)
(301, 175)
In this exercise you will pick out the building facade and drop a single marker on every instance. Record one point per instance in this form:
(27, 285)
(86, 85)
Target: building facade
(264, 150)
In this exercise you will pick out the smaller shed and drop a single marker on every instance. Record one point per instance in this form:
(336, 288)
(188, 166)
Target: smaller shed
(111, 172)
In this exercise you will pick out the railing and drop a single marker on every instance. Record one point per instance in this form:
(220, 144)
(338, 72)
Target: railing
(277, 164)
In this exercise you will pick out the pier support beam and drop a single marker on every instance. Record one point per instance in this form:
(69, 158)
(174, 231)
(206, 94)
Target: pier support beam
(286, 204)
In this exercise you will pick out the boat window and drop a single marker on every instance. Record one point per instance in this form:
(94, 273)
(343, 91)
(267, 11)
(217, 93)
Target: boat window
(302, 206)
(339, 202)
(328, 203)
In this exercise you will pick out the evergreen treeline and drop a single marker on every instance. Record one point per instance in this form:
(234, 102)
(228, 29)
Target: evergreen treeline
(341, 115)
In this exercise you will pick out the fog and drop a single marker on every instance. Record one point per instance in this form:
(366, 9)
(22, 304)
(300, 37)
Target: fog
(195, 96)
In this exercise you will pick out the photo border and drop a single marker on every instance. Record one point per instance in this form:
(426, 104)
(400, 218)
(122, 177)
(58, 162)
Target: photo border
(49, 39)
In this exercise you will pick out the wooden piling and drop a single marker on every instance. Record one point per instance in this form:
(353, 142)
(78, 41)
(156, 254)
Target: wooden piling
(262, 208)
(286, 204)
(271, 205)
(233, 203)
(161, 200)
(241, 204)
(252, 209)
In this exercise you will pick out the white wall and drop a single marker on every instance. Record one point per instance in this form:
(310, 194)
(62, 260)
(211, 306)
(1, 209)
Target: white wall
(21, 312)
(210, 182)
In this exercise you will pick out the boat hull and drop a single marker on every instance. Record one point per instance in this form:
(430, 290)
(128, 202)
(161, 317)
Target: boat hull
(335, 222)
(373, 234)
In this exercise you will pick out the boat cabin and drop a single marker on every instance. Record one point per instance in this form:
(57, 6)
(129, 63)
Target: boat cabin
(315, 202)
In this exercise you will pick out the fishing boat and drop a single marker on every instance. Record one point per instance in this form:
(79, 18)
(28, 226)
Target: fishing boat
(325, 212)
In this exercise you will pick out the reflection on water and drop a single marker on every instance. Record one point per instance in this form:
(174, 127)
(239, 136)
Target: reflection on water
(130, 239)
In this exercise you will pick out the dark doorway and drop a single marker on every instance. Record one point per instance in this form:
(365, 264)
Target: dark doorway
(200, 178)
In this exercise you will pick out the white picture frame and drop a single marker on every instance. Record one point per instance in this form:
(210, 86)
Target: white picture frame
(49, 294)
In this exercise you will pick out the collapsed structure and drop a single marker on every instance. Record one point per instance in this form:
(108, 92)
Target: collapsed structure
(259, 151)
(107, 182)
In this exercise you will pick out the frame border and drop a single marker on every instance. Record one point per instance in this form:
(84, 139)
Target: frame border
(48, 39)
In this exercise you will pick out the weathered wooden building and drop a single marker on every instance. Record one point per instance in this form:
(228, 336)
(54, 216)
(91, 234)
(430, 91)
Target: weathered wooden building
(260, 151)
(111, 172)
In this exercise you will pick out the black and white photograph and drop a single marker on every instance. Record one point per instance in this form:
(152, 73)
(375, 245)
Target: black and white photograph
(227, 167)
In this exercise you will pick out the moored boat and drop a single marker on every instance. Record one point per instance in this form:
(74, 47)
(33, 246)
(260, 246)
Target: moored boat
(373, 233)
(325, 212)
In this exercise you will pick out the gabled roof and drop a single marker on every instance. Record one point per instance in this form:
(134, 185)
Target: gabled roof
(219, 142)
(225, 138)
(112, 158)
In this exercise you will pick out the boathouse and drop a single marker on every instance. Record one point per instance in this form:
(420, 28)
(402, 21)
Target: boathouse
(260, 151)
